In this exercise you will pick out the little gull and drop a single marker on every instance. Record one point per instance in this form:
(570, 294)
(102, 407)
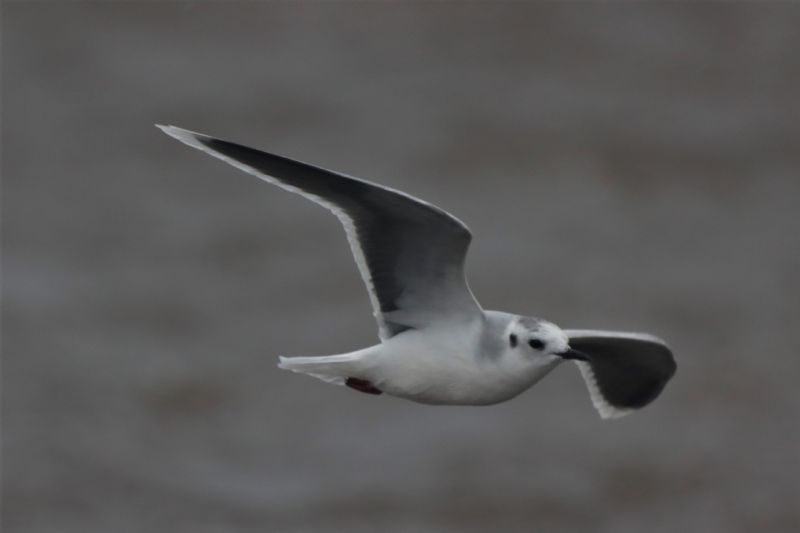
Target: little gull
(438, 346)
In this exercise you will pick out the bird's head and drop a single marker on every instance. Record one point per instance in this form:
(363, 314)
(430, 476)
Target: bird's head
(539, 340)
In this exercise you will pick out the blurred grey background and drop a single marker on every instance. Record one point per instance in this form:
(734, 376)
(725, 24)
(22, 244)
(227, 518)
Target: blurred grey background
(621, 166)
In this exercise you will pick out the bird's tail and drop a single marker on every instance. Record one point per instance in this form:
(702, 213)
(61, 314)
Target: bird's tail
(329, 368)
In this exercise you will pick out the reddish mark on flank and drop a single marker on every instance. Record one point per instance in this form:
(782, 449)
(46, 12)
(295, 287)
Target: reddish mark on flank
(362, 385)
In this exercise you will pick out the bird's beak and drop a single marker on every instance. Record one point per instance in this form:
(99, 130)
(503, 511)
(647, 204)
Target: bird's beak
(574, 354)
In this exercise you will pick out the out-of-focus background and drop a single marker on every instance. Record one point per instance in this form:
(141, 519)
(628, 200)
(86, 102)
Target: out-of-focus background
(621, 166)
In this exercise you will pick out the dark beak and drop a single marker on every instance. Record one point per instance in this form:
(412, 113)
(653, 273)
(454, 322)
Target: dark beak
(574, 354)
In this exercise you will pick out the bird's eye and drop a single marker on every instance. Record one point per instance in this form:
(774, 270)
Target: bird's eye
(536, 344)
(512, 339)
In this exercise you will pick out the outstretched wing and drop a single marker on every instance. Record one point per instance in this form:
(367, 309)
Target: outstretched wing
(410, 253)
(625, 371)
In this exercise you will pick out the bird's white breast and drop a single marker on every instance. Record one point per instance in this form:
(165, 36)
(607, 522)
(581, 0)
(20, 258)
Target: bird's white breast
(444, 366)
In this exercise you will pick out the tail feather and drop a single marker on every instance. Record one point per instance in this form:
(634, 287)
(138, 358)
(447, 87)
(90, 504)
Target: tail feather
(333, 369)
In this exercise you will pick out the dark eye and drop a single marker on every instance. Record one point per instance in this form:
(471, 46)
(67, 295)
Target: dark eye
(512, 339)
(536, 344)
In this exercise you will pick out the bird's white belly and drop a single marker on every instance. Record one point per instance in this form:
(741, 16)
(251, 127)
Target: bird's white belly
(439, 369)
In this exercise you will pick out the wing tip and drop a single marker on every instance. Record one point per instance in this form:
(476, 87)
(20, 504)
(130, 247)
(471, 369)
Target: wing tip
(191, 138)
(609, 412)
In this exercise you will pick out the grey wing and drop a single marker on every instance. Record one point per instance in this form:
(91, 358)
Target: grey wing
(410, 253)
(625, 371)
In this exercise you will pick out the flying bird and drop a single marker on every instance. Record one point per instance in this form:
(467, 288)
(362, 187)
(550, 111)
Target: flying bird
(437, 345)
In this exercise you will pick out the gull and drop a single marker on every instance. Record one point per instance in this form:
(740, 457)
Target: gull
(437, 345)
